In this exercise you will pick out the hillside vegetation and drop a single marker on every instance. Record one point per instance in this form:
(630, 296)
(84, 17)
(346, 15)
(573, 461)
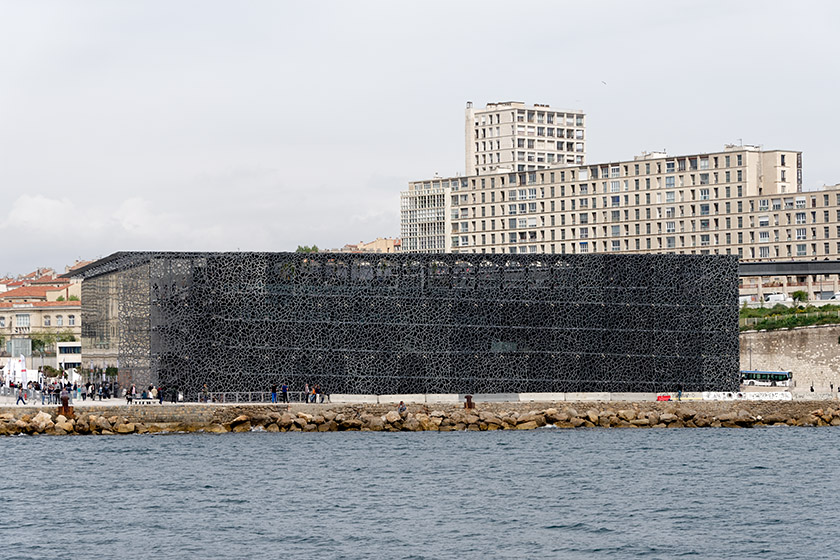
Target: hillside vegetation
(782, 317)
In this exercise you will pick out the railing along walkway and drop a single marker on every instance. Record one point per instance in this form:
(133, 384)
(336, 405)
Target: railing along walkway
(259, 397)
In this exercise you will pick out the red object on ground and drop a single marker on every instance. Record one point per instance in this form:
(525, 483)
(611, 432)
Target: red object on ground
(663, 397)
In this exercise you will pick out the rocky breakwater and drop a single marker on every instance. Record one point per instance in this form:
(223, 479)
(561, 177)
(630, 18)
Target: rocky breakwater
(487, 417)
(44, 422)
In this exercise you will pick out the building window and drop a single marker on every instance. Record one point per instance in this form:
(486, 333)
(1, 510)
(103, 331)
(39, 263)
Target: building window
(22, 320)
(2, 322)
(801, 250)
(71, 320)
(59, 321)
(46, 320)
(616, 245)
(764, 252)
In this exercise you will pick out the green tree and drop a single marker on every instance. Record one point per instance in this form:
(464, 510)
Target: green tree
(65, 336)
(73, 298)
(306, 249)
(800, 296)
(43, 341)
(59, 298)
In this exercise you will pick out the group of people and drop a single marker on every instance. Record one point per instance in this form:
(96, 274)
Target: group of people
(311, 394)
(51, 392)
(151, 392)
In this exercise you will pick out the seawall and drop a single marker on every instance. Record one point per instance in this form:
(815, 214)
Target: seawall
(811, 353)
(127, 419)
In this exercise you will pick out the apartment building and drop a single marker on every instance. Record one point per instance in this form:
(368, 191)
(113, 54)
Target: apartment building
(742, 200)
(512, 136)
(423, 210)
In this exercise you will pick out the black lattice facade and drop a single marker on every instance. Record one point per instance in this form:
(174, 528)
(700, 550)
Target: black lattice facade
(411, 323)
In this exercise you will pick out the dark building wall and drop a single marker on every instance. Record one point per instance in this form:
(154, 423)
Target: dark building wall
(441, 323)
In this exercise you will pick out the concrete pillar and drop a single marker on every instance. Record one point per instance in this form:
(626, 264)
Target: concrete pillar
(834, 278)
(760, 289)
(809, 283)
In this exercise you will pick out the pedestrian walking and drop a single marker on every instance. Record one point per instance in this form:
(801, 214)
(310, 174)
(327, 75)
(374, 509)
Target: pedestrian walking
(21, 396)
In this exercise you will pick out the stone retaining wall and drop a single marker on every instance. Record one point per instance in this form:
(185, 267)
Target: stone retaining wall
(382, 417)
(811, 353)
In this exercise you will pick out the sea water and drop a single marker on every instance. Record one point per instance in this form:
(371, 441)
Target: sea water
(549, 493)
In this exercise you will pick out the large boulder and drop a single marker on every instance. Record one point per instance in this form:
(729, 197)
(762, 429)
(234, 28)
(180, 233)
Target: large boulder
(627, 415)
(241, 419)
(215, 428)
(242, 427)
(41, 422)
(103, 424)
(668, 418)
(125, 428)
(526, 425)
(686, 413)
(66, 426)
(392, 417)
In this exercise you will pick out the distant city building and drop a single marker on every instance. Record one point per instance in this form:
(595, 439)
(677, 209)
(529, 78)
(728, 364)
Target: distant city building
(512, 136)
(39, 306)
(741, 200)
(378, 245)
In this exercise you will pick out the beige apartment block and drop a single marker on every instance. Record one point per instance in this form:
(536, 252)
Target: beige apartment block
(512, 136)
(742, 200)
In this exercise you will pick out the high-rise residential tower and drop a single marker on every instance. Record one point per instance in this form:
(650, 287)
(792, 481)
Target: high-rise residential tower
(512, 136)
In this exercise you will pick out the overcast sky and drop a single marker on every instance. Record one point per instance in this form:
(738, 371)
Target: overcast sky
(237, 125)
